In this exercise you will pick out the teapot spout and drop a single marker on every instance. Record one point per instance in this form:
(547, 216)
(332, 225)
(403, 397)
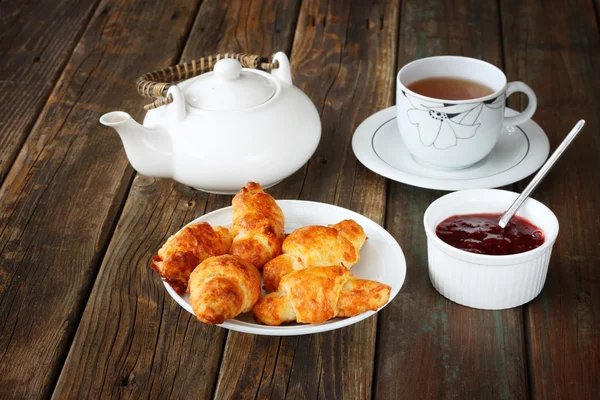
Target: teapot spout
(149, 150)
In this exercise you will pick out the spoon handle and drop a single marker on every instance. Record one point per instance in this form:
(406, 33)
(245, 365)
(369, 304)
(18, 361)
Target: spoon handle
(540, 175)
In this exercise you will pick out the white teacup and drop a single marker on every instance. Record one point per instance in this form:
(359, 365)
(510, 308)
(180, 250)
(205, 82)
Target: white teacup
(455, 134)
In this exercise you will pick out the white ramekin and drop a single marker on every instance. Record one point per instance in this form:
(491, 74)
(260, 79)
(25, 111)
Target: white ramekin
(482, 281)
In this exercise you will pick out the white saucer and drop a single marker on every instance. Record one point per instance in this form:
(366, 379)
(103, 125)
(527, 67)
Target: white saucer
(520, 151)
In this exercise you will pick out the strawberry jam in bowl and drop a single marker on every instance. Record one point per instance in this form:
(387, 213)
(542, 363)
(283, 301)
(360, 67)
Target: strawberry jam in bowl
(474, 262)
(481, 234)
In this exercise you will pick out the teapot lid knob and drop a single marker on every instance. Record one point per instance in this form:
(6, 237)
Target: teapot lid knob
(229, 87)
(228, 69)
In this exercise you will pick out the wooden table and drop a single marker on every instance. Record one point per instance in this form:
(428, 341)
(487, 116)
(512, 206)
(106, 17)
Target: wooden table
(83, 317)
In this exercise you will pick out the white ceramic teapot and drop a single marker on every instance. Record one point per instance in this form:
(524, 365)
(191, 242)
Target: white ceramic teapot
(224, 128)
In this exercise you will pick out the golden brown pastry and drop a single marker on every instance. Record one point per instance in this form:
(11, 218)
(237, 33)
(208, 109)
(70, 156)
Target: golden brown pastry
(222, 287)
(257, 227)
(317, 294)
(183, 251)
(316, 245)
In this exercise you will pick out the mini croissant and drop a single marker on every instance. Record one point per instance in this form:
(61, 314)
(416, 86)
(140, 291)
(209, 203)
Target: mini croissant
(316, 245)
(223, 287)
(257, 226)
(317, 294)
(183, 251)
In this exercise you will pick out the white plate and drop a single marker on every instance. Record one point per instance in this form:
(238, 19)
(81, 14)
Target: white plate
(520, 151)
(381, 259)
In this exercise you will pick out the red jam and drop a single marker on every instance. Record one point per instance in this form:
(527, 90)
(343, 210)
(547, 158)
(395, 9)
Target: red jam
(481, 234)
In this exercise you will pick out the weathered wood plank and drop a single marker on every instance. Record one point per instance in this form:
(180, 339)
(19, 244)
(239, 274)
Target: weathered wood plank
(560, 64)
(133, 339)
(344, 59)
(59, 203)
(429, 347)
(36, 40)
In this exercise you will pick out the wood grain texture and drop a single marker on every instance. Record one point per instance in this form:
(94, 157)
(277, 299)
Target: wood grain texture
(60, 201)
(63, 195)
(560, 64)
(344, 59)
(36, 40)
(429, 347)
(133, 339)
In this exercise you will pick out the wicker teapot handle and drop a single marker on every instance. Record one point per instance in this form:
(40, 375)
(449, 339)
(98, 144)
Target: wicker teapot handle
(156, 84)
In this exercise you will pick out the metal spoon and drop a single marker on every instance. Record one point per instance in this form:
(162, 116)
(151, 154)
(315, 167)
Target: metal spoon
(540, 175)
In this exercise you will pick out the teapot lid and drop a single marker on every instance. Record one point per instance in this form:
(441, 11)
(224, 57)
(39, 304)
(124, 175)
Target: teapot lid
(229, 88)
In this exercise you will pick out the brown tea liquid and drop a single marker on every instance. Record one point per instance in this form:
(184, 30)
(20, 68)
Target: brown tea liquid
(446, 88)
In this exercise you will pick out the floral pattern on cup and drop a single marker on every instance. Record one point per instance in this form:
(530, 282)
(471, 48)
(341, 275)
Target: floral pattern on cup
(441, 126)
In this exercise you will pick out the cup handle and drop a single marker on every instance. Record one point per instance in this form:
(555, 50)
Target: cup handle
(526, 114)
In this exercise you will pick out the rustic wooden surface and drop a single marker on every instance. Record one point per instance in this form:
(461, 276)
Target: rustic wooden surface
(441, 343)
(81, 315)
(136, 315)
(64, 192)
(36, 40)
(563, 323)
(339, 363)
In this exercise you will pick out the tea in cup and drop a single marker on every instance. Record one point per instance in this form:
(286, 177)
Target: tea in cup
(450, 110)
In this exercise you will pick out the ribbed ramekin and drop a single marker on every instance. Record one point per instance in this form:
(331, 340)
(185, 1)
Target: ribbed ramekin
(483, 281)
